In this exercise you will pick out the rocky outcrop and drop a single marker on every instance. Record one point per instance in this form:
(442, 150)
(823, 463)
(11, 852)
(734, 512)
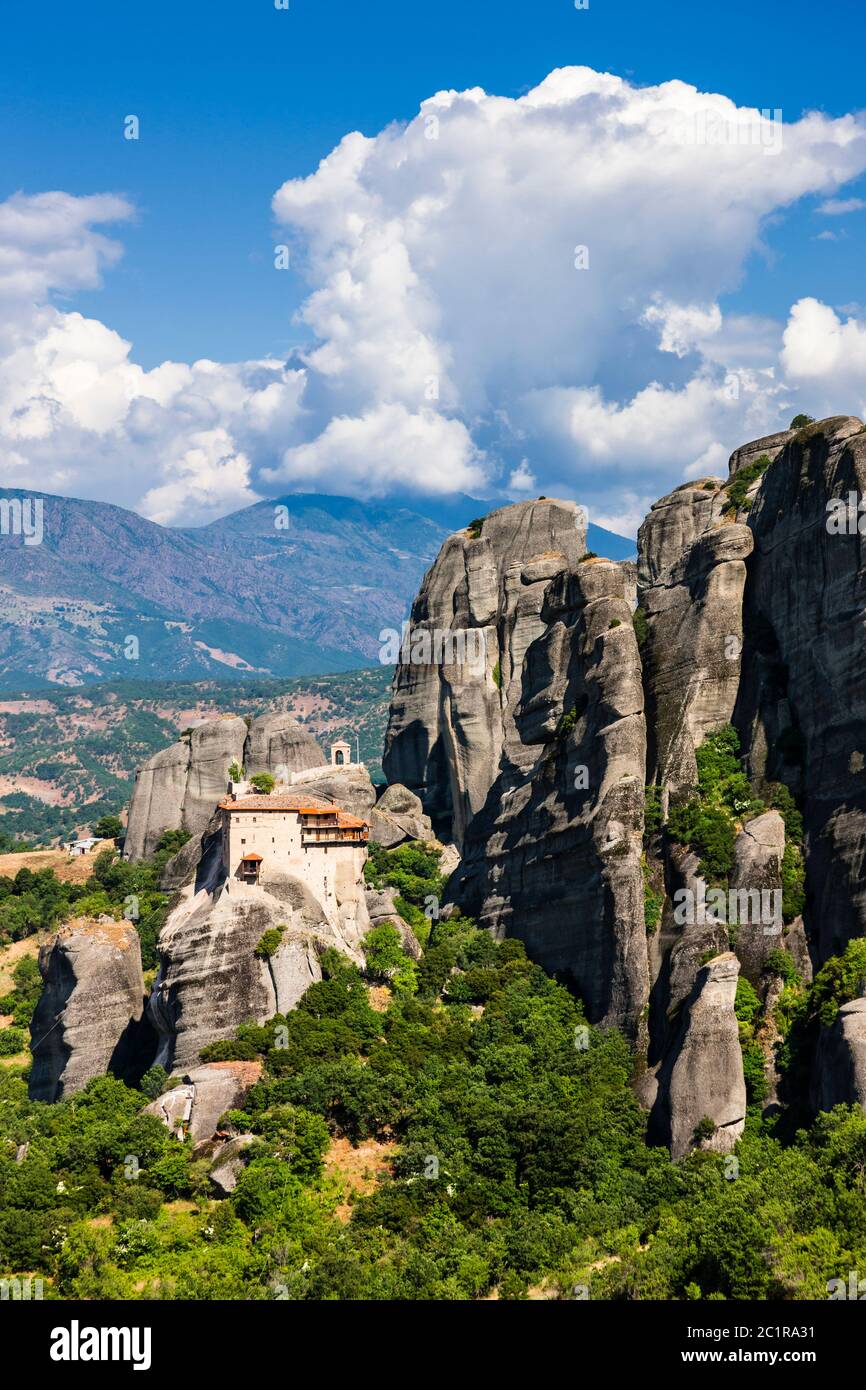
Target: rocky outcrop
(348, 787)
(178, 789)
(674, 523)
(89, 1019)
(212, 977)
(802, 703)
(382, 907)
(554, 855)
(276, 743)
(770, 446)
(702, 1077)
(693, 600)
(459, 677)
(756, 878)
(399, 816)
(840, 1062)
(205, 1093)
(230, 1162)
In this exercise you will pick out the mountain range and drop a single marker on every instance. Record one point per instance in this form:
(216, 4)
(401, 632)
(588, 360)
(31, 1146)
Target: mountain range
(294, 586)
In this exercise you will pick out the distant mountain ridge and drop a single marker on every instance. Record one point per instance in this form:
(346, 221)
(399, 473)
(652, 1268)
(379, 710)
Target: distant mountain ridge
(288, 587)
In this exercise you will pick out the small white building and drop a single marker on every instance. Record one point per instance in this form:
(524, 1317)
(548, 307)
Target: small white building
(341, 753)
(79, 847)
(288, 833)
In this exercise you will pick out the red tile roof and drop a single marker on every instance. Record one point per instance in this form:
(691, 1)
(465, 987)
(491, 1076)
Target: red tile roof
(283, 801)
(292, 801)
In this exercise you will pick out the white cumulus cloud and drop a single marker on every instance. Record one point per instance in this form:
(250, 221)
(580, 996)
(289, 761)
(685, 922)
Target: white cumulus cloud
(502, 295)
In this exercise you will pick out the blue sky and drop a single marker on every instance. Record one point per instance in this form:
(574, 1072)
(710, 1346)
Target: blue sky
(236, 98)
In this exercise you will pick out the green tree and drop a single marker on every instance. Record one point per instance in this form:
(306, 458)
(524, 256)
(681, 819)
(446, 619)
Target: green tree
(108, 828)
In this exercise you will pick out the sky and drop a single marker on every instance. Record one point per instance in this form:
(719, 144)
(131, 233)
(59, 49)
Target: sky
(389, 248)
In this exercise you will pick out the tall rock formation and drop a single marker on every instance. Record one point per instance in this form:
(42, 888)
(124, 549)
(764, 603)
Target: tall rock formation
(692, 573)
(802, 704)
(213, 976)
(179, 787)
(89, 1019)
(702, 1077)
(460, 675)
(554, 855)
(840, 1062)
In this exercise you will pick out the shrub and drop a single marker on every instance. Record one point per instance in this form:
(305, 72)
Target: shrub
(653, 901)
(264, 782)
(742, 481)
(652, 810)
(793, 874)
(269, 942)
(587, 555)
(754, 1073)
(12, 1041)
(155, 1082)
(800, 421)
(383, 951)
(746, 1002)
(640, 623)
(567, 723)
(709, 831)
(840, 979)
(475, 527)
(777, 795)
(108, 828)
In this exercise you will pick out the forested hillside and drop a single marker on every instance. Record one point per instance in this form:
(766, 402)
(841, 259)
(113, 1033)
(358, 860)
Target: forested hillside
(68, 757)
(447, 1129)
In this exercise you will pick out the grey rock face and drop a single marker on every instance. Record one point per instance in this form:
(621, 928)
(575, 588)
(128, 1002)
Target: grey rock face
(206, 1092)
(451, 713)
(703, 1075)
(840, 1062)
(771, 445)
(210, 978)
(349, 787)
(694, 609)
(802, 704)
(89, 1019)
(554, 856)
(399, 816)
(180, 786)
(276, 743)
(230, 1162)
(674, 523)
(757, 879)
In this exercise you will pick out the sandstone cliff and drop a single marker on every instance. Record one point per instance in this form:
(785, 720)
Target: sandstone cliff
(802, 705)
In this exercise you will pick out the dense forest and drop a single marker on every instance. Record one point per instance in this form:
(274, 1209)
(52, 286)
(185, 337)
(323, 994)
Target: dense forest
(505, 1153)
